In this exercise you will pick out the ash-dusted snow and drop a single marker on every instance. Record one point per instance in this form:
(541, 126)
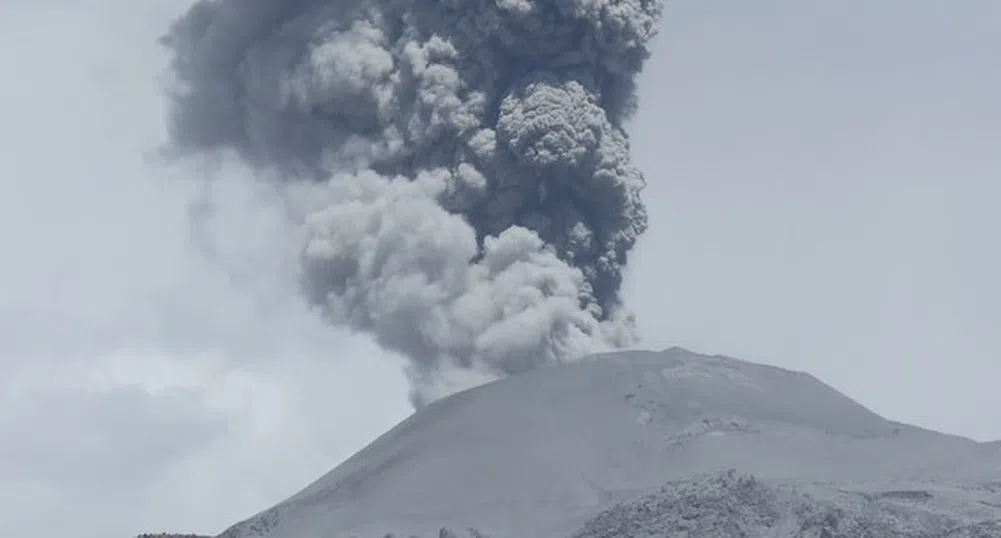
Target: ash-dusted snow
(638, 444)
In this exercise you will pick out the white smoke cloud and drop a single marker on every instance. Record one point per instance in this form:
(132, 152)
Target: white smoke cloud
(392, 261)
(474, 200)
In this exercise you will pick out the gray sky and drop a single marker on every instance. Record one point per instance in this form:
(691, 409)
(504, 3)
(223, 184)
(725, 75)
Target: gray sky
(820, 194)
(824, 193)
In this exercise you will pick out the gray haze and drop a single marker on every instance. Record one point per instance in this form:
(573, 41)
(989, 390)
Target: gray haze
(480, 201)
(822, 194)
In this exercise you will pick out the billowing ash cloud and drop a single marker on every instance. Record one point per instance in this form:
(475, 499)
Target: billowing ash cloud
(475, 200)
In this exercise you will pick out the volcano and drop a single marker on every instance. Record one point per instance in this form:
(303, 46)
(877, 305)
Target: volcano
(632, 444)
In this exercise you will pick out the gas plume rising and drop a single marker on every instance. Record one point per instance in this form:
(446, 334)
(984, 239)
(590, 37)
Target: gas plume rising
(472, 200)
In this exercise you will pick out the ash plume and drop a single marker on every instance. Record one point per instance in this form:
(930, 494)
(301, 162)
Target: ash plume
(471, 191)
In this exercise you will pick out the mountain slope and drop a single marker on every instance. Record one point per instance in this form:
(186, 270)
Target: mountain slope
(542, 453)
(728, 505)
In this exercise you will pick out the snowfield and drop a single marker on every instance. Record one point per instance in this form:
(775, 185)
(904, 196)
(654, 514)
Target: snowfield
(644, 444)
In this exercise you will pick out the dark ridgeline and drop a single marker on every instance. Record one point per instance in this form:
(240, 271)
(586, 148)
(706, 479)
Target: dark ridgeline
(172, 535)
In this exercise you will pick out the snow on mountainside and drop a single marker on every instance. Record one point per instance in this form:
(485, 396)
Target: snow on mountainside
(587, 448)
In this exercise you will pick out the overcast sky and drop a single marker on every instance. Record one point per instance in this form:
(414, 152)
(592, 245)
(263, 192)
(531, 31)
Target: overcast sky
(823, 197)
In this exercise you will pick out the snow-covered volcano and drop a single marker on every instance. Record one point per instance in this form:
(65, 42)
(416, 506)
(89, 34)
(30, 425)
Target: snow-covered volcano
(545, 453)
